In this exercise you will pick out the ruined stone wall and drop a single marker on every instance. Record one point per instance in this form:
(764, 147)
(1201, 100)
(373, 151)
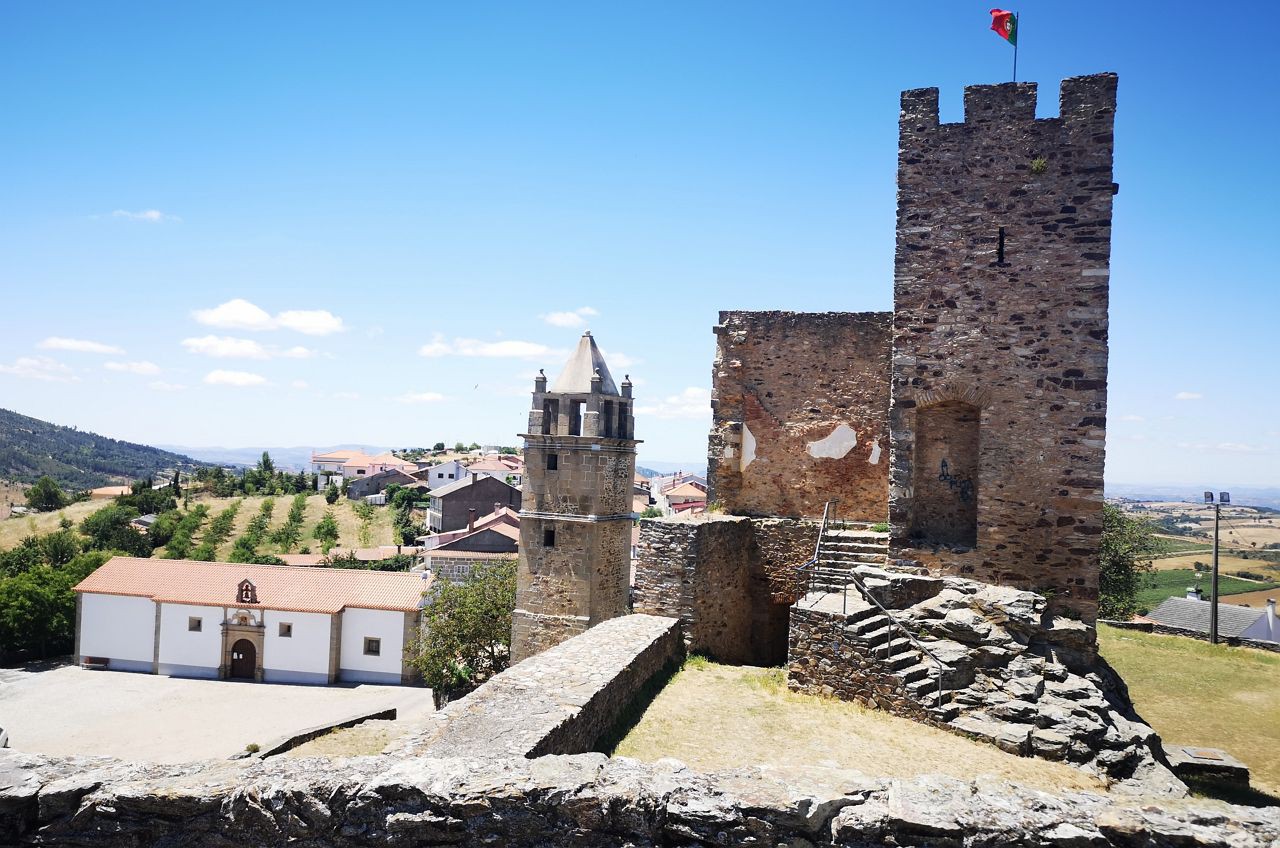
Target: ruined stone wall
(729, 579)
(1000, 337)
(565, 700)
(800, 405)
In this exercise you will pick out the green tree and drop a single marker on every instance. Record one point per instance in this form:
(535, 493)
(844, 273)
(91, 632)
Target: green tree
(265, 466)
(37, 610)
(331, 494)
(438, 446)
(651, 512)
(326, 532)
(1128, 545)
(175, 487)
(465, 636)
(46, 495)
(60, 547)
(365, 512)
(108, 530)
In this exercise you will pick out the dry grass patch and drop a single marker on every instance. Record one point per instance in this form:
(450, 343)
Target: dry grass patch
(1226, 562)
(1194, 693)
(14, 529)
(714, 716)
(363, 740)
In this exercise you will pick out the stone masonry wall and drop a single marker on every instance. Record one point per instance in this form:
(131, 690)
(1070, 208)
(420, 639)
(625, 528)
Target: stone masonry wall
(562, 701)
(800, 404)
(1000, 318)
(585, 801)
(821, 661)
(729, 579)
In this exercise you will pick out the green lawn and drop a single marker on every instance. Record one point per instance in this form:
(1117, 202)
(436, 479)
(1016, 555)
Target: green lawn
(1194, 693)
(1174, 583)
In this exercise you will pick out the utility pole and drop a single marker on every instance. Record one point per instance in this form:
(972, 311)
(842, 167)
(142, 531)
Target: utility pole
(1223, 498)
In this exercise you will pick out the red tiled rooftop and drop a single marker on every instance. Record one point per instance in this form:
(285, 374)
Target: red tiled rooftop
(280, 587)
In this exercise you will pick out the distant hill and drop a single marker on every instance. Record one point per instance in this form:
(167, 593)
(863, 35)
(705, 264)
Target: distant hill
(285, 458)
(30, 448)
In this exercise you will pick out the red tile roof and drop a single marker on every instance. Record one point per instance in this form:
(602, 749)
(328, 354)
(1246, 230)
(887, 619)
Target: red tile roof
(279, 587)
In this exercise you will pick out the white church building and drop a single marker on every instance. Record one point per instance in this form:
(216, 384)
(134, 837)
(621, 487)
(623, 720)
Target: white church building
(269, 623)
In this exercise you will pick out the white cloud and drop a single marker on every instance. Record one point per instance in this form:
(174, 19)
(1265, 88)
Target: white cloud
(40, 368)
(346, 396)
(162, 386)
(312, 322)
(146, 369)
(229, 347)
(617, 359)
(298, 384)
(420, 397)
(1236, 447)
(78, 345)
(237, 314)
(574, 318)
(234, 378)
(693, 402)
(1188, 396)
(240, 314)
(225, 347)
(505, 349)
(148, 216)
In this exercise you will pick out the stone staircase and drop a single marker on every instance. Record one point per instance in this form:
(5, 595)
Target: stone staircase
(843, 548)
(850, 559)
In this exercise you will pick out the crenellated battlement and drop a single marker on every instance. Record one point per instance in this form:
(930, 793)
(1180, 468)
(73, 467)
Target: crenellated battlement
(1081, 99)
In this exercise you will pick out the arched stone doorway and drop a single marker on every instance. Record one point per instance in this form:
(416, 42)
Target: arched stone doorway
(244, 660)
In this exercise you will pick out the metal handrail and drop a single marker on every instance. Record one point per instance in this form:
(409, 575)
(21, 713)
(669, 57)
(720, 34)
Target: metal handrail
(809, 564)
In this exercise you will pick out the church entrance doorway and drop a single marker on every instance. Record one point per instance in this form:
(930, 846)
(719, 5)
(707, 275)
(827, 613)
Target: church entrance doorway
(244, 659)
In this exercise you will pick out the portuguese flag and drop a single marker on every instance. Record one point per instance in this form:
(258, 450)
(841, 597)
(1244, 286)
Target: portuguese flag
(1005, 25)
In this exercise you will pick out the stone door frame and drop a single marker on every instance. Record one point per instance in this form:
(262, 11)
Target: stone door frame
(242, 624)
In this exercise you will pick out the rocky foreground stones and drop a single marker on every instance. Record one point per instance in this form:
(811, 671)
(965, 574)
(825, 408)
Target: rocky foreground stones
(580, 800)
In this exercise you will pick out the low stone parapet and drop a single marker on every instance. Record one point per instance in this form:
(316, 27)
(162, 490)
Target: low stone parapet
(561, 701)
(583, 800)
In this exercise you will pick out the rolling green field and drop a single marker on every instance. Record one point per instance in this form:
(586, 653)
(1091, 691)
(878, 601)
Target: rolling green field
(1173, 584)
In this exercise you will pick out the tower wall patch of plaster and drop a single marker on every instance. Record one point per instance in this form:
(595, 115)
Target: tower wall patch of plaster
(874, 459)
(748, 447)
(835, 446)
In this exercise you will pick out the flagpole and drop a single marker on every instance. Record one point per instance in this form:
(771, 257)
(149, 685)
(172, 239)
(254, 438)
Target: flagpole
(1017, 29)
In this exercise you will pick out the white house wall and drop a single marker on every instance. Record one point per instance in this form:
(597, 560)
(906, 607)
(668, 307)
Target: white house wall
(187, 653)
(302, 657)
(120, 628)
(354, 665)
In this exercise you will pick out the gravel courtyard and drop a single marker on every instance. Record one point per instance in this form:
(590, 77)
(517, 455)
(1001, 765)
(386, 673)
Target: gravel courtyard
(65, 710)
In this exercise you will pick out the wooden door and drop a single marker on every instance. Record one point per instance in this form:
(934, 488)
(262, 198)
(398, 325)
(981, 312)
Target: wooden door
(244, 659)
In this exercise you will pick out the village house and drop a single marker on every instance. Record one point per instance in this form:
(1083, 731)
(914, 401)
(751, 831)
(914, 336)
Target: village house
(376, 484)
(269, 623)
(451, 506)
(1191, 615)
(443, 474)
(351, 464)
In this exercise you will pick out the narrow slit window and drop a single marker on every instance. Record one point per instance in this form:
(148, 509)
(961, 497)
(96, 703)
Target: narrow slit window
(548, 538)
(1000, 248)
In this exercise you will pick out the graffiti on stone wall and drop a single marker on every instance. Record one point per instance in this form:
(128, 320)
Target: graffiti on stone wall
(962, 486)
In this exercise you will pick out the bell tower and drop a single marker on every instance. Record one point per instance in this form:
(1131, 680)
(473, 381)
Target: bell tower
(575, 520)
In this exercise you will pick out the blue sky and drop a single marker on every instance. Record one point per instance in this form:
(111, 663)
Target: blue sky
(410, 208)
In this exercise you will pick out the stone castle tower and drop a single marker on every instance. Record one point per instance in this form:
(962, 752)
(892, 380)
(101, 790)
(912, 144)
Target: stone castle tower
(575, 520)
(999, 373)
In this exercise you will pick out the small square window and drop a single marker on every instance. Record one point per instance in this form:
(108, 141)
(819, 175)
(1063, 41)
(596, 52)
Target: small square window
(286, 630)
(372, 647)
(195, 625)
(548, 538)
(553, 461)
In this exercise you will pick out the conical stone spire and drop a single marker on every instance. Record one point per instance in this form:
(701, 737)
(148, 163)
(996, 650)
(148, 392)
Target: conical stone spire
(581, 367)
